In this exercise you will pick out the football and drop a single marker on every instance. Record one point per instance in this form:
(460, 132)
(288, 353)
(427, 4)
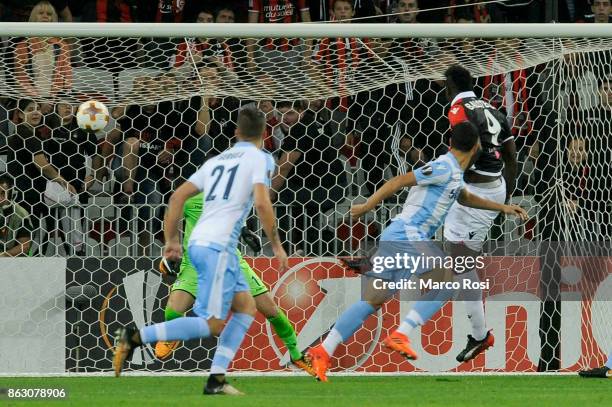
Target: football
(92, 116)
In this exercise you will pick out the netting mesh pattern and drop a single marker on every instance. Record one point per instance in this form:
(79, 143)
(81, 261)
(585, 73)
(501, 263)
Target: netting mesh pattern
(279, 69)
(348, 113)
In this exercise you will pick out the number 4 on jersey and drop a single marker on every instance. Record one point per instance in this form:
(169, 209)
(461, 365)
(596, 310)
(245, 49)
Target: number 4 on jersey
(493, 126)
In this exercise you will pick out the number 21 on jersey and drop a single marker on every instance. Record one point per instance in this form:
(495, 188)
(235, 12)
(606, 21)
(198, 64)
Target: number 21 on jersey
(216, 174)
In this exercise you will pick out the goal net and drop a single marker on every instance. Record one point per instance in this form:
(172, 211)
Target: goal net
(347, 108)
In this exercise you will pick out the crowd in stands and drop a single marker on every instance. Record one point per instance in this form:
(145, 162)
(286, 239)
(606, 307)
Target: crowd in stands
(53, 168)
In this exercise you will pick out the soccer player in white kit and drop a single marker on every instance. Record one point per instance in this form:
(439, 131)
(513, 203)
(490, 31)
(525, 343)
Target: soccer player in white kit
(232, 183)
(493, 177)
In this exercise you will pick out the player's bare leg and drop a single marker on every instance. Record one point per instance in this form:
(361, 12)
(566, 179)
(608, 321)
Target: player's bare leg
(266, 306)
(179, 303)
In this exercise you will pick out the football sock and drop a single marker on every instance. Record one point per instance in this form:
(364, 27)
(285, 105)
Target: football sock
(183, 329)
(475, 313)
(285, 331)
(348, 323)
(229, 342)
(474, 307)
(609, 362)
(171, 314)
(424, 309)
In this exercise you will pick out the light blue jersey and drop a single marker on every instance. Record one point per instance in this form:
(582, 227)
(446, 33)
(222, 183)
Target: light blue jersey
(439, 183)
(227, 182)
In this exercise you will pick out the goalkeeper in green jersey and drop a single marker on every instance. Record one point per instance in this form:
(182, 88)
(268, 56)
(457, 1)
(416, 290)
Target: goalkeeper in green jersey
(184, 290)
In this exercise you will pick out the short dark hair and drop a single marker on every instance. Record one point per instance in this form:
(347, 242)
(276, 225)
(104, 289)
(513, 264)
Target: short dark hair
(221, 8)
(251, 122)
(204, 10)
(464, 13)
(464, 136)
(6, 179)
(459, 78)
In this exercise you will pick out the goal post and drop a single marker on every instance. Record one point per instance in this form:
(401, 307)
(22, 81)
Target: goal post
(375, 95)
(308, 30)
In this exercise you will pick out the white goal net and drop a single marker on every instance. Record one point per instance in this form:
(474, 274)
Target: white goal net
(356, 108)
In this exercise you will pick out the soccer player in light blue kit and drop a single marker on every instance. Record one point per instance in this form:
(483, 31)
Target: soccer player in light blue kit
(434, 188)
(602, 372)
(231, 183)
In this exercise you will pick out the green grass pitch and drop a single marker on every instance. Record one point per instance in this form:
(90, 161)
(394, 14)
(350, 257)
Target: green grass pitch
(447, 391)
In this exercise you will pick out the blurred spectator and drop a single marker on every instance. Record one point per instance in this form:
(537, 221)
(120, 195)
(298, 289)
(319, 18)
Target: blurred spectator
(572, 11)
(171, 11)
(216, 116)
(479, 12)
(575, 174)
(225, 15)
(412, 112)
(29, 163)
(209, 51)
(325, 117)
(145, 132)
(578, 80)
(68, 148)
(15, 225)
(517, 11)
(509, 92)
(277, 55)
(109, 11)
(112, 54)
(273, 135)
(597, 129)
(340, 64)
(223, 114)
(588, 219)
(322, 10)
(407, 10)
(147, 159)
(467, 49)
(338, 59)
(22, 10)
(411, 157)
(42, 65)
(598, 120)
(601, 10)
(160, 52)
(310, 179)
(190, 121)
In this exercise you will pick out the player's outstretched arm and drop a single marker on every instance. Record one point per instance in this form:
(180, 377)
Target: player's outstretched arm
(172, 249)
(263, 207)
(388, 189)
(473, 201)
